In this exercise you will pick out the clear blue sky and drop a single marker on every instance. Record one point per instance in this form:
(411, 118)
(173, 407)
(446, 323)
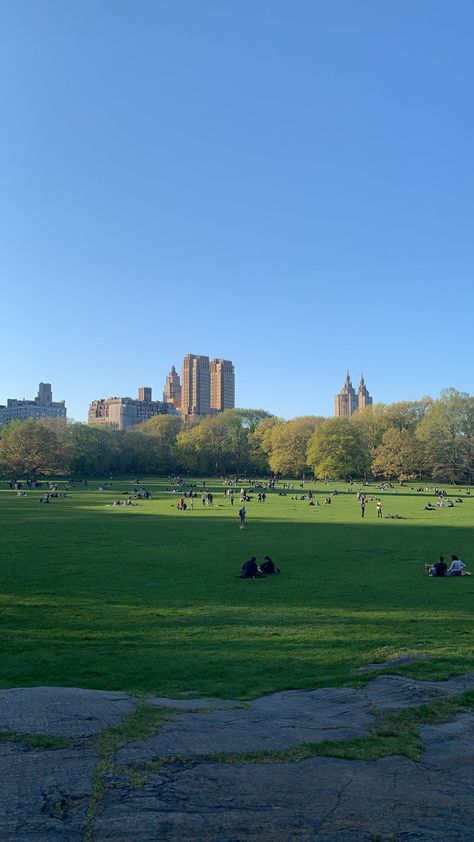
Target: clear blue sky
(286, 184)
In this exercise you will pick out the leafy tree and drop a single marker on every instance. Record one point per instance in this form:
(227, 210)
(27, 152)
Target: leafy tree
(289, 444)
(164, 429)
(371, 421)
(406, 415)
(337, 449)
(447, 434)
(399, 455)
(29, 447)
(260, 443)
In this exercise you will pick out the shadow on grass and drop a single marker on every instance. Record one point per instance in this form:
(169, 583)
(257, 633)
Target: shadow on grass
(153, 604)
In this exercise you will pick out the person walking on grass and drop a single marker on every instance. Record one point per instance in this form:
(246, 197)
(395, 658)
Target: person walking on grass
(242, 516)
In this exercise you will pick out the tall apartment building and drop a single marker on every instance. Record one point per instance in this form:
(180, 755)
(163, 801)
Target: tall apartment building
(42, 406)
(195, 385)
(363, 397)
(123, 413)
(172, 390)
(222, 385)
(349, 401)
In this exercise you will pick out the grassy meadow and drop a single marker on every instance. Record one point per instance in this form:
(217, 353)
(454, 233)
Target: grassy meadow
(146, 599)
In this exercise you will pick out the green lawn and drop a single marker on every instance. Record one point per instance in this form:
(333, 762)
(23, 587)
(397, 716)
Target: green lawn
(147, 600)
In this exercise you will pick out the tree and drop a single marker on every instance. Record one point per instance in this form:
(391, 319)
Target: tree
(372, 422)
(289, 444)
(399, 456)
(29, 447)
(406, 415)
(260, 443)
(164, 429)
(337, 449)
(447, 434)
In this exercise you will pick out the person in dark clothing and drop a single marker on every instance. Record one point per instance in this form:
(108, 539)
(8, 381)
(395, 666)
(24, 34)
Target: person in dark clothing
(438, 569)
(267, 566)
(250, 569)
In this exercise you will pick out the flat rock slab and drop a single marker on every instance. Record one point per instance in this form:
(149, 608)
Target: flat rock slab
(44, 794)
(449, 748)
(394, 692)
(274, 722)
(62, 711)
(326, 799)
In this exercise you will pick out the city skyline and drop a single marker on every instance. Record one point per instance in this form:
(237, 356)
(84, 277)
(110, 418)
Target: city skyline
(290, 185)
(344, 403)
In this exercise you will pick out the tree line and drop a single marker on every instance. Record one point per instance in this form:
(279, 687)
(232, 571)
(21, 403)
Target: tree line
(406, 440)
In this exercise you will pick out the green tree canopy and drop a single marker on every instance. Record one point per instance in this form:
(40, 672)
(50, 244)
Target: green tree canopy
(337, 449)
(399, 456)
(289, 444)
(28, 448)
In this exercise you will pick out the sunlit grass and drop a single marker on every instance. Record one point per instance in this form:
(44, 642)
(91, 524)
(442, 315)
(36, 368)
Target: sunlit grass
(147, 599)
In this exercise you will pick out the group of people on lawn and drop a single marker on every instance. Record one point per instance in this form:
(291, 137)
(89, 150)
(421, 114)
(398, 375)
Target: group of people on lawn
(252, 570)
(440, 568)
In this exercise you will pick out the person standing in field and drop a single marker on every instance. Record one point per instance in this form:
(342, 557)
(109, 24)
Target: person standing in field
(379, 508)
(242, 516)
(362, 505)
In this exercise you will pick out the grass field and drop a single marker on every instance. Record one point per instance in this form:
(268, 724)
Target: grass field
(147, 599)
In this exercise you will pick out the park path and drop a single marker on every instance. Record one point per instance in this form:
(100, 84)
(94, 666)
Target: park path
(189, 779)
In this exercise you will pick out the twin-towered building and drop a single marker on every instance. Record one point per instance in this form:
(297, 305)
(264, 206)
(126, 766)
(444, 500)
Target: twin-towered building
(205, 388)
(349, 401)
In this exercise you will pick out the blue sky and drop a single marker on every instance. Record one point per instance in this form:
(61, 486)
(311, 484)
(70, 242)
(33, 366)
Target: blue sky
(286, 184)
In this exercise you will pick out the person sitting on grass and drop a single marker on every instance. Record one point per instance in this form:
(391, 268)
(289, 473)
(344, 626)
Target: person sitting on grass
(267, 567)
(429, 508)
(437, 569)
(250, 569)
(457, 567)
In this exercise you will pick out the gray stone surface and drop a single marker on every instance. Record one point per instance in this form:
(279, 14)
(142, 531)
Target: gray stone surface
(319, 799)
(394, 692)
(44, 794)
(62, 711)
(449, 748)
(278, 721)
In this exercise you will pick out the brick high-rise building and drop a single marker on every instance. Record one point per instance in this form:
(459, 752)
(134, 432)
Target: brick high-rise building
(222, 385)
(195, 385)
(348, 401)
(42, 406)
(172, 390)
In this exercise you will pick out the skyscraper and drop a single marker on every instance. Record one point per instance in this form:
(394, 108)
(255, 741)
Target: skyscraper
(195, 385)
(222, 385)
(347, 401)
(172, 390)
(363, 397)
